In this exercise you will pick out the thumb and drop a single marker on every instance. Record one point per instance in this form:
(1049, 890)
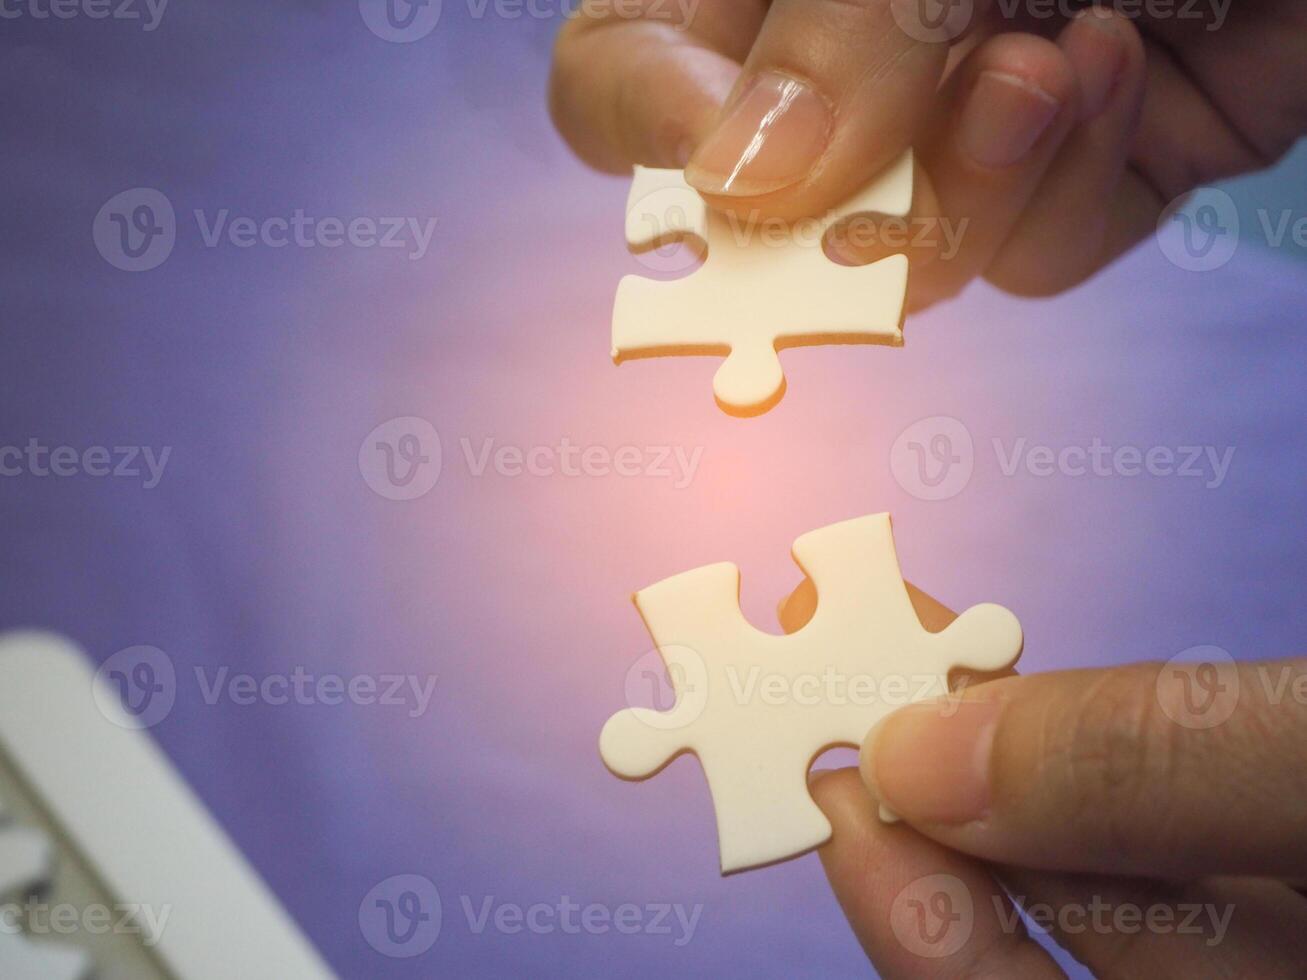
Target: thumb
(1171, 770)
(832, 92)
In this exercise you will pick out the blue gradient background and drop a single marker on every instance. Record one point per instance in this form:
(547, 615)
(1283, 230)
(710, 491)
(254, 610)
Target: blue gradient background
(263, 549)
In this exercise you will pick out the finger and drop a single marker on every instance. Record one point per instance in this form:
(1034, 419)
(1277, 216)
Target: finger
(1006, 110)
(1176, 771)
(832, 93)
(1009, 107)
(1063, 235)
(918, 909)
(1123, 927)
(627, 90)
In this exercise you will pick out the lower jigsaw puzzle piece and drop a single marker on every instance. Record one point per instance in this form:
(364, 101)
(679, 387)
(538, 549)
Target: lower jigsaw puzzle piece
(757, 708)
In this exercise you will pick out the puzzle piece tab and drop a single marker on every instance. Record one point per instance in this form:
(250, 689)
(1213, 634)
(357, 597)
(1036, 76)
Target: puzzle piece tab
(758, 708)
(761, 289)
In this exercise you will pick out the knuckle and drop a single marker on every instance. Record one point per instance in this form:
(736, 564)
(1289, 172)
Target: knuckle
(1121, 756)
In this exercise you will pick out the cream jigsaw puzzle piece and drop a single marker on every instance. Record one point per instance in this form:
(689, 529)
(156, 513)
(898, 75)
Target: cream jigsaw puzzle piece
(758, 708)
(755, 295)
(24, 960)
(26, 863)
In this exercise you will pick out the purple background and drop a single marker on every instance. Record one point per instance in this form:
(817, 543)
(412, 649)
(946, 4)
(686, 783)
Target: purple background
(263, 549)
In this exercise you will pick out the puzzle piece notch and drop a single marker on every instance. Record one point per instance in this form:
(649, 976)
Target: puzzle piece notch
(754, 295)
(755, 747)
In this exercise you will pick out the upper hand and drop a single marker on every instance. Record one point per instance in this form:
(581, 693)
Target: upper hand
(1042, 155)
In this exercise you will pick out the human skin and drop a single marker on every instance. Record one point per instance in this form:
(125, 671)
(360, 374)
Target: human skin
(1083, 790)
(1058, 141)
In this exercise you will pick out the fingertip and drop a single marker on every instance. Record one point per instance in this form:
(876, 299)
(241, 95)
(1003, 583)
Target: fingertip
(1104, 49)
(867, 759)
(1037, 61)
(842, 797)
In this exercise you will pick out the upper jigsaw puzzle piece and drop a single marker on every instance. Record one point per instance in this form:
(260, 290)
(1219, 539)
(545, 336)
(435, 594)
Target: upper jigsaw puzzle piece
(758, 708)
(759, 290)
